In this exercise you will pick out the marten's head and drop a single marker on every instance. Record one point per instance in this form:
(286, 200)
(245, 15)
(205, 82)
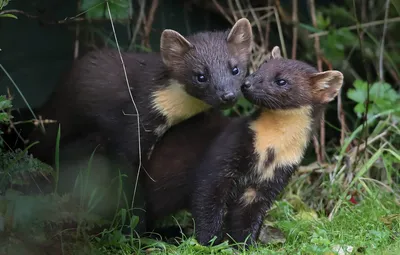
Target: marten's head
(282, 83)
(211, 66)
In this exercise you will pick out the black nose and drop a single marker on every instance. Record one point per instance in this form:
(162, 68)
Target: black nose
(246, 85)
(228, 97)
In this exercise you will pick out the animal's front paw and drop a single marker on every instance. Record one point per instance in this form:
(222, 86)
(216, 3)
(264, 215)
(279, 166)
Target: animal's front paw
(206, 239)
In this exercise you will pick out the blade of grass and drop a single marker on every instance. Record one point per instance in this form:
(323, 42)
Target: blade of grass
(57, 158)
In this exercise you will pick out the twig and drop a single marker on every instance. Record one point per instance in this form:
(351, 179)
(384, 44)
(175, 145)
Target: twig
(232, 9)
(341, 117)
(77, 31)
(133, 102)
(316, 41)
(239, 6)
(149, 23)
(369, 82)
(19, 91)
(319, 65)
(281, 11)
(322, 137)
(267, 28)
(278, 23)
(381, 78)
(223, 12)
(317, 148)
(295, 28)
(257, 21)
(142, 4)
(354, 27)
(324, 60)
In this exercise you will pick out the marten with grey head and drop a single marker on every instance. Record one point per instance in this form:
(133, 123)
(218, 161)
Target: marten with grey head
(243, 163)
(187, 77)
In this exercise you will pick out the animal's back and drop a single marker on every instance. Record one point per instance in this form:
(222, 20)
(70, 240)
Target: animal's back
(95, 94)
(169, 187)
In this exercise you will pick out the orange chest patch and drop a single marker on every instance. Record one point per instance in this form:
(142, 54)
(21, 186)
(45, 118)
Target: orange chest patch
(175, 104)
(287, 132)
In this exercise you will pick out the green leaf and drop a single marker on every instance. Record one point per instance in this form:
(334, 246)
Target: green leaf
(4, 103)
(358, 96)
(378, 90)
(119, 9)
(359, 93)
(359, 109)
(96, 9)
(134, 221)
(310, 28)
(4, 118)
(8, 15)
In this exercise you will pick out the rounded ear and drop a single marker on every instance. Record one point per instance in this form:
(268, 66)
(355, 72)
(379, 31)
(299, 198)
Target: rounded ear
(274, 54)
(326, 85)
(240, 39)
(173, 47)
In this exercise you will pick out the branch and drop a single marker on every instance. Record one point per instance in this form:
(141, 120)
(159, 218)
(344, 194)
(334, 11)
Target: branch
(295, 28)
(319, 65)
(149, 22)
(354, 27)
(381, 78)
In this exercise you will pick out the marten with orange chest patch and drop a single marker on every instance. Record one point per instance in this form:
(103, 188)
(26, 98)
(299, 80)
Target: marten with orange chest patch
(252, 160)
(189, 75)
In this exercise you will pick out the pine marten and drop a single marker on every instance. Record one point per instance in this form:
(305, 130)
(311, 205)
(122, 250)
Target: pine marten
(243, 163)
(252, 160)
(188, 76)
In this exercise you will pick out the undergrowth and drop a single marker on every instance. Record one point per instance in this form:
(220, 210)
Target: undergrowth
(348, 203)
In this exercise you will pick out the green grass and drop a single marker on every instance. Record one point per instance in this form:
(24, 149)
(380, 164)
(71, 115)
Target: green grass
(370, 227)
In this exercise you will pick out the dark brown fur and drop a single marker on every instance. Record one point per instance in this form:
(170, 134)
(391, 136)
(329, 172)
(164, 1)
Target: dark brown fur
(252, 160)
(164, 86)
(224, 180)
(182, 146)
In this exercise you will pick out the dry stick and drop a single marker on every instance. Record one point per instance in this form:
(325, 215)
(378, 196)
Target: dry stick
(77, 32)
(239, 6)
(232, 9)
(149, 23)
(381, 78)
(281, 11)
(321, 150)
(267, 15)
(278, 23)
(257, 21)
(268, 27)
(363, 14)
(222, 11)
(138, 22)
(295, 28)
(133, 102)
(256, 9)
(354, 27)
(317, 148)
(130, 14)
(341, 118)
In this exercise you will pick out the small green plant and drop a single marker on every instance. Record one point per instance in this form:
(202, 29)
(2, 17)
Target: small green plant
(382, 97)
(5, 104)
(97, 9)
(3, 3)
(5, 117)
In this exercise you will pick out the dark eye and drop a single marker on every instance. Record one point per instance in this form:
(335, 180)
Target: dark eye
(235, 70)
(201, 78)
(281, 82)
